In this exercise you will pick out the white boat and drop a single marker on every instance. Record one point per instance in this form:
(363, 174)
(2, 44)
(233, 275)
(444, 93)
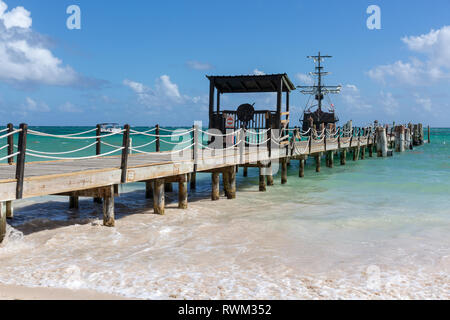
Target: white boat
(110, 128)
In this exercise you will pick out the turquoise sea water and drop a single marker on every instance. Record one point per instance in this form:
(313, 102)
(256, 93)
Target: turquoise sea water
(325, 236)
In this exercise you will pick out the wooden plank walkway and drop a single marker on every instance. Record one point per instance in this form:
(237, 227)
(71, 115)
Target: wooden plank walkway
(98, 176)
(55, 177)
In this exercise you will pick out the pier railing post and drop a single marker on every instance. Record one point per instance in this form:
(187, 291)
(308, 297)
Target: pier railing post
(429, 135)
(158, 138)
(125, 152)
(242, 145)
(98, 151)
(98, 147)
(195, 147)
(10, 143)
(20, 165)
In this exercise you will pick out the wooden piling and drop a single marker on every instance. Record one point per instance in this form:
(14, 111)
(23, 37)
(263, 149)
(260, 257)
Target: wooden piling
(343, 157)
(245, 172)
(330, 159)
(226, 183)
(382, 144)
(215, 193)
(429, 134)
(159, 197)
(74, 202)
(318, 160)
(2, 222)
(232, 179)
(269, 177)
(284, 171)
(9, 210)
(355, 154)
(371, 151)
(108, 208)
(182, 192)
(149, 189)
(193, 181)
(262, 180)
(301, 170)
(363, 153)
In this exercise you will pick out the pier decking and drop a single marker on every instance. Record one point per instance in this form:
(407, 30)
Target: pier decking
(99, 175)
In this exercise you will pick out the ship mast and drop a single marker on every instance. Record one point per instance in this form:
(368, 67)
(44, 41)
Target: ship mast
(319, 90)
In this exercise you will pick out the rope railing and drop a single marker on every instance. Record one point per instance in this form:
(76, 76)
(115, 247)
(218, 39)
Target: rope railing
(161, 135)
(61, 153)
(79, 158)
(11, 134)
(43, 134)
(10, 156)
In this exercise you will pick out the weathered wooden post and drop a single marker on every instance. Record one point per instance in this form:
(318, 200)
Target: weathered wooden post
(429, 134)
(421, 135)
(125, 153)
(232, 174)
(9, 210)
(215, 193)
(20, 165)
(318, 160)
(269, 176)
(195, 156)
(108, 207)
(149, 189)
(262, 180)
(382, 144)
(182, 192)
(400, 139)
(301, 170)
(2, 222)
(343, 157)
(284, 171)
(226, 183)
(245, 172)
(330, 159)
(159, 197)
(158, 138)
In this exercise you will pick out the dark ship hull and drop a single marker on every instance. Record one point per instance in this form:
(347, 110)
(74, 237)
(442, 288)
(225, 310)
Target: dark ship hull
(319, 117)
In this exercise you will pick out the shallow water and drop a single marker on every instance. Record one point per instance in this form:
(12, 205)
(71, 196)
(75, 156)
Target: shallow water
(378, 228)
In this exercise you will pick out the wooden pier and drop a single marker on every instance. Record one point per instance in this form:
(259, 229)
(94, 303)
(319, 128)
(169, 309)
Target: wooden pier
(99, 175)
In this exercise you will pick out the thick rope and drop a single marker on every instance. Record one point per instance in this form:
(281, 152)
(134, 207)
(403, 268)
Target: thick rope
(42, 134)
(61, 153)
(10, 156)
(81, 158)
(10, 134)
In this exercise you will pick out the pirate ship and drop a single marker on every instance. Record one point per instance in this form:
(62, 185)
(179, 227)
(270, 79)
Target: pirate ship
(317, 112)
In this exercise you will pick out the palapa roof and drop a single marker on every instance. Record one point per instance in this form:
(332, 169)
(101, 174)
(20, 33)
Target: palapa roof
(251, 83)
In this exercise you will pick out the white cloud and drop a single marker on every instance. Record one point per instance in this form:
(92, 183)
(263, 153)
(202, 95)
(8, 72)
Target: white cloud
(390, 104)
(351, 96)
(196, 65)
(305, 79)
(257, 72)
(17, 17)
(435, 45)
(425, 103)
(24, 57)
(69, 108)
(165, 94)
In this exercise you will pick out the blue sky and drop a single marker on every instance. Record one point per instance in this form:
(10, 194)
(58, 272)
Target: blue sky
(144, 62)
